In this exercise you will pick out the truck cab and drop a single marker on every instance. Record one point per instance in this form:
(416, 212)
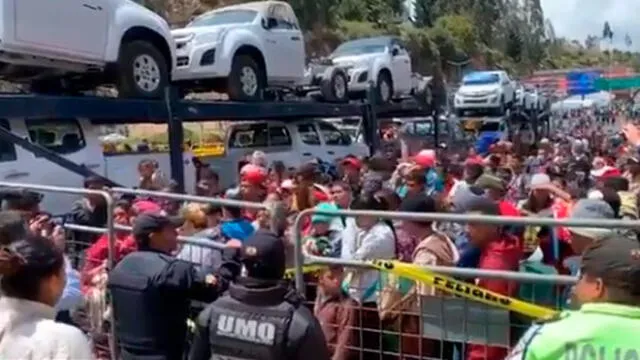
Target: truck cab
(292, 142)
(71, 138)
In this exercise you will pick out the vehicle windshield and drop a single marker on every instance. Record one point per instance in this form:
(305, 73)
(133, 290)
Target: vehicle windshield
(351, 131)
(224, 18)
(490, 126)
(360, 47)
(481, 79)
(424, 128)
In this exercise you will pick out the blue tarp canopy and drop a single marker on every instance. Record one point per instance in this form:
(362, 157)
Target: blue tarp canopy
(581, 82)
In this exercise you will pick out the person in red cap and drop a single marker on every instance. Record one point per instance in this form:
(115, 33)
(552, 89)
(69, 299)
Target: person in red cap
(426, 159)
(351, 168)
(604, 173)
(253, 180)
(473, 157)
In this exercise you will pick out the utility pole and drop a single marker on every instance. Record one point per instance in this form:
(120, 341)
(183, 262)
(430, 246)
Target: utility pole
(607, 33)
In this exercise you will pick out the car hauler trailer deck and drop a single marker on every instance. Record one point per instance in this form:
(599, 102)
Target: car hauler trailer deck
(28, 112)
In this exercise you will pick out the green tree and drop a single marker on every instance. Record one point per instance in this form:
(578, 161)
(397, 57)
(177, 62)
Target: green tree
(445, 43)
(462, 30)
(486, 13)
(426, 13)
(514, 46)
(316, 13)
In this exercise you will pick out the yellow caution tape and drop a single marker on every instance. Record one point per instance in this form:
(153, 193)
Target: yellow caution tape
(463, 289)
(452, 286)
(307, 269)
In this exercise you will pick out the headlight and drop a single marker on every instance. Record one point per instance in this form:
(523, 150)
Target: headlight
(209, 37)
(184, 38)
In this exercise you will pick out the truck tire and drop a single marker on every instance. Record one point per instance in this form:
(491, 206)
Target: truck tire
(142, 71)
(384, 88)
(334, 86)
(246, 79)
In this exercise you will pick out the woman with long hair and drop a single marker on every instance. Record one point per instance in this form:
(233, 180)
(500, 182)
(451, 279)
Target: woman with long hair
(33, 278)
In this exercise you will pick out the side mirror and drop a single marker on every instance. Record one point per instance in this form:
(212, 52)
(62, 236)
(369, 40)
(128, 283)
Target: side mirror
(395, 51)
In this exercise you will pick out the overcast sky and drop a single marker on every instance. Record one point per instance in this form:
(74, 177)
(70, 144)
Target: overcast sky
(576, 19)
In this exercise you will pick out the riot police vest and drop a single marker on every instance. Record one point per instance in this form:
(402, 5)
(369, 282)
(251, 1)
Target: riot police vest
(239, 331)
(137, 298)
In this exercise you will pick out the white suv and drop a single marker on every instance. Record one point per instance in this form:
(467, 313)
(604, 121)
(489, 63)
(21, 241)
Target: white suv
(242, 50)
(485, 90)
(76, 45)
(383, 60)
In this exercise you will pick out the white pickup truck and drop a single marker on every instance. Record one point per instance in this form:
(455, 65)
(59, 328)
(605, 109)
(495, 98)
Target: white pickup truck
(383, 60)
(292, 142)
(485, 90)
(71, 45)
(245, 50)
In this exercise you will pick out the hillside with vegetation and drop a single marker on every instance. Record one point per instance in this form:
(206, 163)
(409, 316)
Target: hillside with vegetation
(508, 34)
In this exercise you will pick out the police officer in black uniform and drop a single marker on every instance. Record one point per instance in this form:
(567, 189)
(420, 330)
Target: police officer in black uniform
(152, 291)
(261, 317)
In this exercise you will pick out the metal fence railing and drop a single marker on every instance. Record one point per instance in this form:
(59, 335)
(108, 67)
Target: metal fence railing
(108, 230)
(435, 325)
(449, 326)
(446, 217)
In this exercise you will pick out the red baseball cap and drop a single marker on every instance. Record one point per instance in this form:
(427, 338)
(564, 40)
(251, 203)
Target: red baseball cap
(606, 172)
(425, 158)
(321, 193)
(146, 206)
(352, 161)
(253, 174)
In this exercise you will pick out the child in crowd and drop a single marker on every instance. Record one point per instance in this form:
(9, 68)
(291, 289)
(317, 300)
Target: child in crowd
(335, 311)
(325, 234)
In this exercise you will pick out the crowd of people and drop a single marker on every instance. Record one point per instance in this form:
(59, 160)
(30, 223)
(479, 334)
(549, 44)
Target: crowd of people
(54, 285)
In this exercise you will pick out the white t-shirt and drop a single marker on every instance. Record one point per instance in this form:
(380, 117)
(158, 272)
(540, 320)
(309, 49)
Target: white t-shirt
(457, 184)
(28, 331)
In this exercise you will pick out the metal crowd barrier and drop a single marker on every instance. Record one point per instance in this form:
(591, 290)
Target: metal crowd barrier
(191, 241)
(109, 229)
(446, 217)
(450, 320)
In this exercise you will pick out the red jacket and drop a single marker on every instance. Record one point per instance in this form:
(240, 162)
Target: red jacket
(503, 254)
(508, 209)
(98, 253)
